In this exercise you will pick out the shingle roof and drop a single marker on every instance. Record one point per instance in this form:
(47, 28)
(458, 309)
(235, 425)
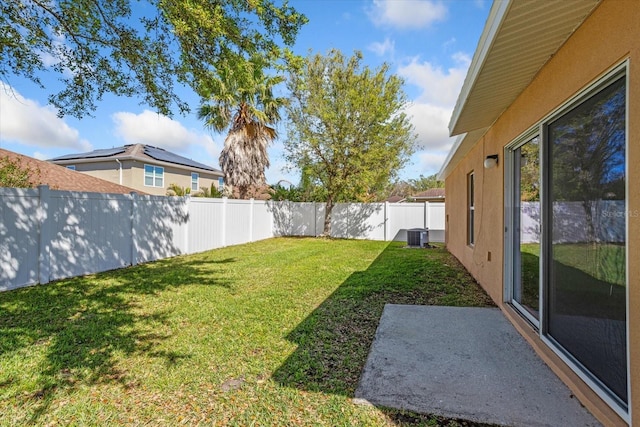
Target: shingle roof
(136, 151)
(395, 199)
(61, 178)
(430, 193)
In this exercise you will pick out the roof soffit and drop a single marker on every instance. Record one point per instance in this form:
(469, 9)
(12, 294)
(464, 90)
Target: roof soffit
(519, 38)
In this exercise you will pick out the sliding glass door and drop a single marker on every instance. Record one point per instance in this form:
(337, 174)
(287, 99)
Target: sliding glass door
(525, 278)
(586, 229)
(566, 231)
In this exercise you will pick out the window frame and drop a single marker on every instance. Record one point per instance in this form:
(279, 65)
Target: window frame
(540, 127)
(157, 172)
(593, 88)
(471, 208)
(196, 182)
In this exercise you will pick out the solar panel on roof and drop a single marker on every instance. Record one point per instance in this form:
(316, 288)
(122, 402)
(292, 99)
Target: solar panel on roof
(104, 152)
(166, 156)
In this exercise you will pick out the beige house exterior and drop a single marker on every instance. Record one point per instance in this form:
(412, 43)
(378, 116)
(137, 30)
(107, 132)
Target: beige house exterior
(61, 178)
(543, 206)
(143, 167)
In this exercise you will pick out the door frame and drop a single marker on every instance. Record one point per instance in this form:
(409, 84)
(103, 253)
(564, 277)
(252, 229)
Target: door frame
(540, 128)
(510, 255)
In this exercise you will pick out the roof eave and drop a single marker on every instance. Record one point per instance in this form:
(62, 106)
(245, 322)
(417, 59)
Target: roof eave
(460, 148)
(135, 158)
(495, 20)
(501, 69)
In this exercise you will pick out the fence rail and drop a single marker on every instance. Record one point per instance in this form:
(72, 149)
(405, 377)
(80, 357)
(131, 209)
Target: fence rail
(47, 234)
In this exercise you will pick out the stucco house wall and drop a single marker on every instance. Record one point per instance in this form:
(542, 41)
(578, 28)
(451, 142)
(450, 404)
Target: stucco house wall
(609, 36)
(133, 175)
(126, 165)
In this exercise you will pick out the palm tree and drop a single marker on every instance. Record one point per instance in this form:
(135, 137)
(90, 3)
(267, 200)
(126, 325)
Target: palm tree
(242, 100)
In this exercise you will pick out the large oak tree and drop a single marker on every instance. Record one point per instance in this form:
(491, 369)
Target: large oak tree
(140, 48)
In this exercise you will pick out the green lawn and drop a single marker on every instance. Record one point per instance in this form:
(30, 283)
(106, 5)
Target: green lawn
(590, 279)
(270, 333)
(602, 261)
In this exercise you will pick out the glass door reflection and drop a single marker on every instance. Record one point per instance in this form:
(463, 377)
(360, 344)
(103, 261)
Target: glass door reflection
(526, 265)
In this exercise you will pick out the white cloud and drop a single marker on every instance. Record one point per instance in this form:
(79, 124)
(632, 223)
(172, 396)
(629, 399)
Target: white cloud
(449, 43)
(479, 4)
(407, 14)
(431, 162)
(431, 110)
(438, 86)
(27, 122)
(430, 124)
(380, 49)
(162, 131)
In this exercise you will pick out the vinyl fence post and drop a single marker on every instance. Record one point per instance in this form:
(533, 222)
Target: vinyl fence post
(44, 248)
(385, 221)
(289, 205)
(251, 207)
(187, 223)
(426, 215)
(223, 223)
(134, 226)
(315, 220)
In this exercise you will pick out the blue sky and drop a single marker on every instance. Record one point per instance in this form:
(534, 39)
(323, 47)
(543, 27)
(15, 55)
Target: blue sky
(429, 43)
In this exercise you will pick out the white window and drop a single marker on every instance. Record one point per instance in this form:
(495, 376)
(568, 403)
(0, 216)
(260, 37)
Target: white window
(153, 176)
(194, 181)
(220, 184)
(470, 209)
(71, 167)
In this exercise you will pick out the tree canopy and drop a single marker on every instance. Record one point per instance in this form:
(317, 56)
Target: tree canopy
(143, 48)
(15, 175)
(347, 129)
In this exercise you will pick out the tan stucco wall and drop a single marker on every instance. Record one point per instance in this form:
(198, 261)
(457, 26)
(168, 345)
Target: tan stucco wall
(107, 171)
(133, 175)
(610, 35)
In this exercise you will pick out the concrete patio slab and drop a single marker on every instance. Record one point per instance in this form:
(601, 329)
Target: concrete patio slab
(467, 363)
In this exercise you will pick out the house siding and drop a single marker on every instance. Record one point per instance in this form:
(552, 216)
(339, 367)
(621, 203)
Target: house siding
(133, 175)
(608, 36)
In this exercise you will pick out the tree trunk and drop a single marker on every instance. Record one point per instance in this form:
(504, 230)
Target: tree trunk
(327, 218)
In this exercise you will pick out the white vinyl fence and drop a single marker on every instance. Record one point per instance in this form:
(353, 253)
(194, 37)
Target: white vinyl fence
(47, 234)
(607, 218)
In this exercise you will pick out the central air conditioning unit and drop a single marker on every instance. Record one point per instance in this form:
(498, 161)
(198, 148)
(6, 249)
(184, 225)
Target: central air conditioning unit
(418, 237)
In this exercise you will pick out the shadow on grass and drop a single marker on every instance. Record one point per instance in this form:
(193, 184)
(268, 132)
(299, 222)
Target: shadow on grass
(85, 323)
(334, 341)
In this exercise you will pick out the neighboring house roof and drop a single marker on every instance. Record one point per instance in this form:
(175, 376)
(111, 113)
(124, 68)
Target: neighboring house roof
(519, 37)
(141, 152)
(61, 178)
(395, 199)
(432, 193)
